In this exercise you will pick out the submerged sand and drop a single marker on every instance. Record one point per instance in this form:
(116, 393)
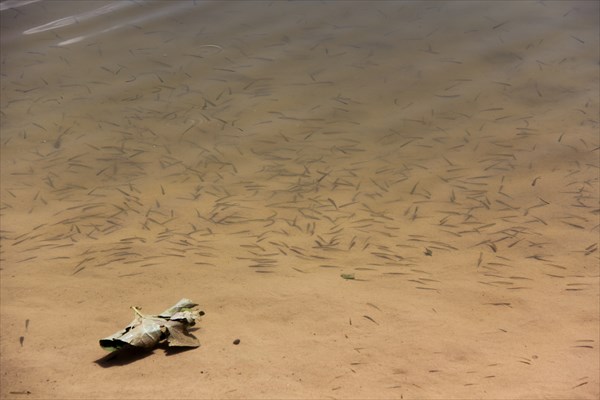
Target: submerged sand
(247, 155)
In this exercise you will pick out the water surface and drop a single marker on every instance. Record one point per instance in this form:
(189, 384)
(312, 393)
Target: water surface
(247, 154)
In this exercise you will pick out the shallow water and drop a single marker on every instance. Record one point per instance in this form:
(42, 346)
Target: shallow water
(249, 153)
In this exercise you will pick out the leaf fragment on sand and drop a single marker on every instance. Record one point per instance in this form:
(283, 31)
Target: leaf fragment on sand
(146, 331)
(179, 335)
(182, 305)
(348, 276)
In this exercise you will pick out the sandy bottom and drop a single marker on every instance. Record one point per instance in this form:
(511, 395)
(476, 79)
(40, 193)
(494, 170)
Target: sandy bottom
(247, 155)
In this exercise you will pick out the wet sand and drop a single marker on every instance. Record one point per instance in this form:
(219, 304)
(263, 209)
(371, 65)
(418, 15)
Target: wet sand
(247, 155)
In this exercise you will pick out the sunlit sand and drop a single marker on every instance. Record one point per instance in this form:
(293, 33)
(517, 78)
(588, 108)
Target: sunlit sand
(375, 200)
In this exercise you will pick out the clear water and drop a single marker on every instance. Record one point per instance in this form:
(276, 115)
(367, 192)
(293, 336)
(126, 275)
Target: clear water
(442, 154)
